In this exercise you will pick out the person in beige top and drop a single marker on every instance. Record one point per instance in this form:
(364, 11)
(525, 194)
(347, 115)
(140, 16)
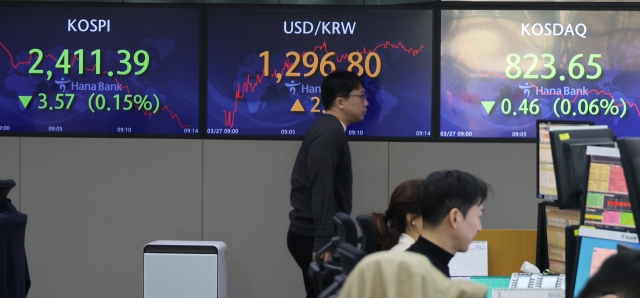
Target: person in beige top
(395, 274)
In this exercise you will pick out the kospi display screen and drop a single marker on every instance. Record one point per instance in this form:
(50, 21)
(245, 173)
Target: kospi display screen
(265, 68)
(99, 70)
(501, 70)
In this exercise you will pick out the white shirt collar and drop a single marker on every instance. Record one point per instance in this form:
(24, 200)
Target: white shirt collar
(405, 238)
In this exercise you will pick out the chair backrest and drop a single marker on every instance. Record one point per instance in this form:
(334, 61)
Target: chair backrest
(5, 187)
(347, 230)
(368, 238)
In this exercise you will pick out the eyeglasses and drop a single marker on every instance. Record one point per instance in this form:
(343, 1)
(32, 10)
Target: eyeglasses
(362, 96)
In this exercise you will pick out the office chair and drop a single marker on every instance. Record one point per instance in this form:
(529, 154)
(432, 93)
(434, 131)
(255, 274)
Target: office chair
(333, 290)
(368, 238)
(349, 256)
(323, 272)
(5, 188)
(347, 230)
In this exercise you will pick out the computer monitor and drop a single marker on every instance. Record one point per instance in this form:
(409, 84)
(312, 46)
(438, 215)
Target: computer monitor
(596, 245)
(546, 186)
(568, 150)
(607, 204)
(556, 222)
(630, 157)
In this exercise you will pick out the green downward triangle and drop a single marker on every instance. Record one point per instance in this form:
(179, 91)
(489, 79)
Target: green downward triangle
(488, 105)
(25, 100)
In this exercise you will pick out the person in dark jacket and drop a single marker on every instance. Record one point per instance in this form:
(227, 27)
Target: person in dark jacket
(321, 180)
(14, 272)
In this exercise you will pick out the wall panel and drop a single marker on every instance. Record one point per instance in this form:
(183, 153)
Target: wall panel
(509, 168)
(94, 203)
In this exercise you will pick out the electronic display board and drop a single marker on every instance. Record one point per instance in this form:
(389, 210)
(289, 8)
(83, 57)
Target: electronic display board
(100, 70)
(265, 68)
(501, 70)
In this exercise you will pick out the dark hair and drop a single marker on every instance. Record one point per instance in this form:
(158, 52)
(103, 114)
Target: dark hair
(338, 83)
(442, 191)
(618, 275)
(390, 224)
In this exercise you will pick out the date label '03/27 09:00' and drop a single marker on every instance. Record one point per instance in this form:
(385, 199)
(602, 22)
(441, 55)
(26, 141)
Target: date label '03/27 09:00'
(456, 134)
(226, 131)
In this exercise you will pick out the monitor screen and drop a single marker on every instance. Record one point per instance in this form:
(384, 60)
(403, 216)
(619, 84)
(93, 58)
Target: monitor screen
(557, 221)
(630, 156)
(568, 149)
(99, 70)
(503, 69)
(546, 177)
(607, 202)
(266, 83)
(595, 247)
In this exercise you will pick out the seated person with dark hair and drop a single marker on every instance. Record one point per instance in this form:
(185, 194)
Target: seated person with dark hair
(451, 207)
(616, 278)
(400, 225)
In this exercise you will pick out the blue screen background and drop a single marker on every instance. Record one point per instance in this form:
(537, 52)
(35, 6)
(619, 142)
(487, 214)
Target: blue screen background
(171, 37)
(241, 101)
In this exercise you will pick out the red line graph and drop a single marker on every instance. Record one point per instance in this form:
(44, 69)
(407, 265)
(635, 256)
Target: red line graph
(598, 92)
(475, 61)
(11, 57)
(385, 45)
(246, 86)
(164, 108)
(75, 58)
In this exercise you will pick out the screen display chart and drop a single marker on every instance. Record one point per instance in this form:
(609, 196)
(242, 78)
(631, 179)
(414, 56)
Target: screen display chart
(501, 70)
(266, 66)
(99, 70)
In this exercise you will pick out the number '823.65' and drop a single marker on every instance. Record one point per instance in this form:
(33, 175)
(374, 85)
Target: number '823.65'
(575, 69)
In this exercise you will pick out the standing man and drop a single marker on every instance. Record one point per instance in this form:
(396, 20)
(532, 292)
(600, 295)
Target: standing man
(451, 203)
(321, 180)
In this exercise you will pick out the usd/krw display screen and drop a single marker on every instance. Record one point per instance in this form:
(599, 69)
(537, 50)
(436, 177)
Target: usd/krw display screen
(99, 70)
(503, 69)
(265, 68)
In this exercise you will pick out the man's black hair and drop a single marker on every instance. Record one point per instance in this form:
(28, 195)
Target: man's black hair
(618, 275)
(338, 83)
(442, 191)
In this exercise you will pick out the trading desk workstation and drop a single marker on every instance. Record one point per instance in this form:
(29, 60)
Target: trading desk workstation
(560, 76)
